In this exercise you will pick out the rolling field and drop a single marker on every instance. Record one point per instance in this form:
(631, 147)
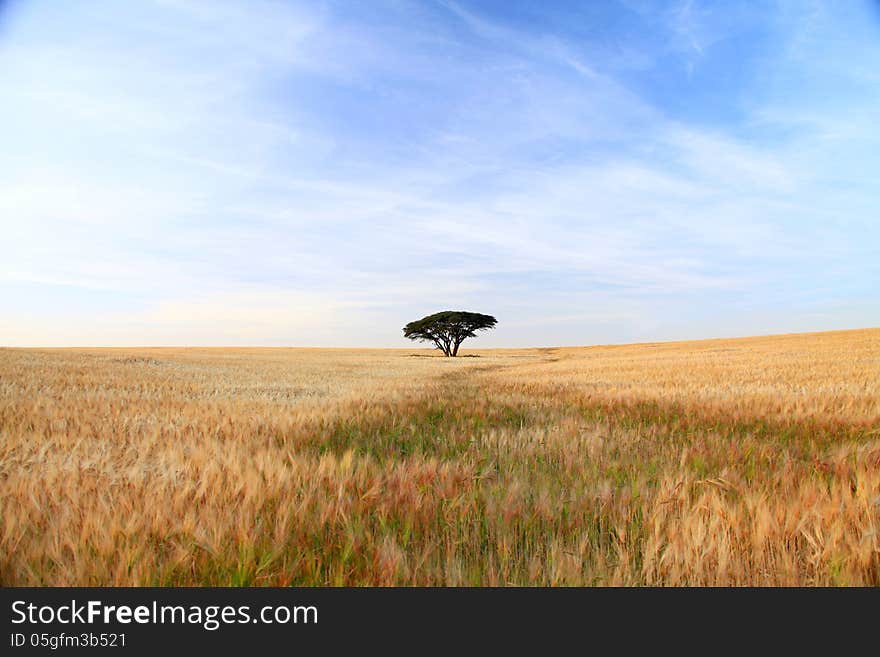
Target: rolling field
(752, 461)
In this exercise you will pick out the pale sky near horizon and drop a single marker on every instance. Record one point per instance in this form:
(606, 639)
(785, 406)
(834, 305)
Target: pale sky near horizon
(178, 172)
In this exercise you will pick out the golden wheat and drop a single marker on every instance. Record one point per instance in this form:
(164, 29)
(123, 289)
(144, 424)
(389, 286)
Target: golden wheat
(720, 462)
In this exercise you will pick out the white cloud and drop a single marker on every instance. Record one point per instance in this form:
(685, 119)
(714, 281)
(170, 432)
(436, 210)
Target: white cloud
(257, 172)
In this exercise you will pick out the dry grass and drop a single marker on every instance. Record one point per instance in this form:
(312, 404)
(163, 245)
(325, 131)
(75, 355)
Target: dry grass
(727, 462)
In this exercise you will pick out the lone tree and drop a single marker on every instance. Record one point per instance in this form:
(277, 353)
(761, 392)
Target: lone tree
(447, 330)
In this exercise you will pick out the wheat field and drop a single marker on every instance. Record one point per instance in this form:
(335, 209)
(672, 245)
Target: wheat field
(750, 461)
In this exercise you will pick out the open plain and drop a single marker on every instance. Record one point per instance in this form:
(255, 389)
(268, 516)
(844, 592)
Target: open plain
(751, 461)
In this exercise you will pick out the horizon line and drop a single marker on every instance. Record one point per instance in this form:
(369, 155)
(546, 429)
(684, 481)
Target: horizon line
(559, 346)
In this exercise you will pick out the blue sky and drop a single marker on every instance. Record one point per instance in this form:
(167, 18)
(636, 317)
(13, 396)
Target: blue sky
(178, 172)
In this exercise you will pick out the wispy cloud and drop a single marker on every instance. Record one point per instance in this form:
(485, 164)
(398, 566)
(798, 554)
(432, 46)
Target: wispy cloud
(221, 172)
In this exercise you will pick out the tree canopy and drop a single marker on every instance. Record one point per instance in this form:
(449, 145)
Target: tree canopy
(448, 329)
